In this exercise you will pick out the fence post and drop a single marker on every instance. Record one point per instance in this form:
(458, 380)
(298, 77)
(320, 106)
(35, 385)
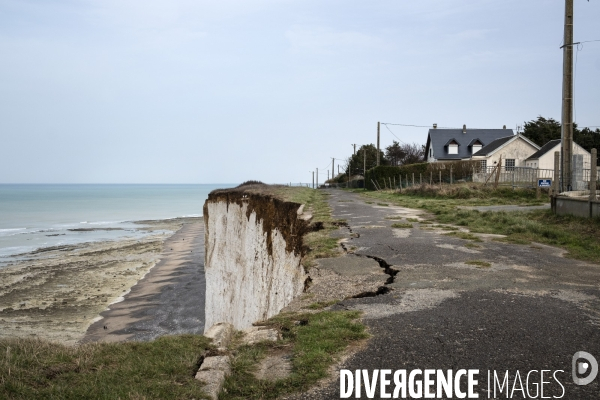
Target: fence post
(390, 180)
(394, 181)
(593, 174)
(451, 174)
(513, 178)
(440, 178)
(556, 182)
(400, 183)
(413, 175)
(538, 189)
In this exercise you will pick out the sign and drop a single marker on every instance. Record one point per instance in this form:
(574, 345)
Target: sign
(545, 183)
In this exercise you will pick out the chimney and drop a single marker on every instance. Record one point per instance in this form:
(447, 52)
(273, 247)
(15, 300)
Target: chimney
(504, 127)
(434, 126)
(464, 129)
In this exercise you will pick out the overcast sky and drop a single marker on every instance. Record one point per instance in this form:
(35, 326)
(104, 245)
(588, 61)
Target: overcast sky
(188, 91)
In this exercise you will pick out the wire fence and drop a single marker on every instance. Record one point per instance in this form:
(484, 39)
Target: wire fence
(515, 177)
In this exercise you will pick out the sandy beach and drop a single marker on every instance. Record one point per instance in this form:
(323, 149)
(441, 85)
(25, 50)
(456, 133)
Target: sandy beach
(56, 293)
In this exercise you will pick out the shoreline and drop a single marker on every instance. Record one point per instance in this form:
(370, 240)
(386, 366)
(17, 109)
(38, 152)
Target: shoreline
(57, 293)
(168, 300)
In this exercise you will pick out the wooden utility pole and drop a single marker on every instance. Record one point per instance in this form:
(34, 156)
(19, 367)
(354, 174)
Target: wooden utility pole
(593, 175)
(567, 100)
(378, 143)
(332, 166)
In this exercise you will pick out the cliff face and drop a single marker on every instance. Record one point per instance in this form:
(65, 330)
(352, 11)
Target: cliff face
(252, 256)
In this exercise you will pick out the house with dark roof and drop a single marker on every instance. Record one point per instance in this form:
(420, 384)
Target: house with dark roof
(511, 151)
(544, 157)
(460, 144)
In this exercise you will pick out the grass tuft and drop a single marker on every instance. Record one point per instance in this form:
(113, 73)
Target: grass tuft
(314, 345)
(464, 235)
(402, 226)
(479, 263)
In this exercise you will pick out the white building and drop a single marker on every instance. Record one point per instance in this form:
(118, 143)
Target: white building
(512, 150)
(544, 157)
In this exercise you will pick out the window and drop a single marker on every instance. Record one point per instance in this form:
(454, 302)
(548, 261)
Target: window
(476, 148)
(483, 165)
(509, 163)
(453, 148)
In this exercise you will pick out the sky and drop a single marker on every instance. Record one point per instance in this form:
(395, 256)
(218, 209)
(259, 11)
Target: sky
(193, 91)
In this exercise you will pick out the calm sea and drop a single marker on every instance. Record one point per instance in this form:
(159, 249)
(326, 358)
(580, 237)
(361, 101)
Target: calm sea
(36, 216)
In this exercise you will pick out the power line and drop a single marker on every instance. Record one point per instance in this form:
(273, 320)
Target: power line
(423, 126)
(392, 133)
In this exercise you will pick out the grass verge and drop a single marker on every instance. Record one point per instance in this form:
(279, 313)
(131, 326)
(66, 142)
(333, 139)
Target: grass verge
(314, 341)
(319, 242)
(161, 369)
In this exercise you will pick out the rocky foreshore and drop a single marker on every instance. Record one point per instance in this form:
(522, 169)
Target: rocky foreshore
(57, 293)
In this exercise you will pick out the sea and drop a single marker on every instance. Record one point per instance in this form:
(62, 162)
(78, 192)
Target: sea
(34, 216)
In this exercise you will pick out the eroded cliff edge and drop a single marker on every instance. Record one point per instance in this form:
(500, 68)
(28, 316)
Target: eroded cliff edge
(253, 254)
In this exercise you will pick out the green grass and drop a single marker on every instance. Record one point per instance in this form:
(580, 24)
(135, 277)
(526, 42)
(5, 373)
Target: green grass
(479, 263)
(383, 204)
(161, 369)
(314, 346)
(412, 219)
(322, 304)
(579, 236)
(402, 226)
(446, 227)
(464, 235)
(319, 243)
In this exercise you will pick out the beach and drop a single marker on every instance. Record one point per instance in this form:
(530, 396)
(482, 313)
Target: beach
(57, 292)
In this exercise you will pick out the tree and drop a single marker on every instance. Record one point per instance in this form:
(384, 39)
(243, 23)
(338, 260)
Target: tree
(404, 154)
(355, 163)
(395, 153)
(413, 153)
(542, 130)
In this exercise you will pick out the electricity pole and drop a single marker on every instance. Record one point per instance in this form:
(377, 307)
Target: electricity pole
(567, 100)
(332, 167)
(354, 144)
(365, 168)
(378, 143)
(313, 173)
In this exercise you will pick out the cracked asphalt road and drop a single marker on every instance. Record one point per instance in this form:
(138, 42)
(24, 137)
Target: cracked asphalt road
(457, 304)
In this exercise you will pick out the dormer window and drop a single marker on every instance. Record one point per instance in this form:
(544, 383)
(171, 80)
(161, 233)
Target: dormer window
(452, 146)
(475, 145)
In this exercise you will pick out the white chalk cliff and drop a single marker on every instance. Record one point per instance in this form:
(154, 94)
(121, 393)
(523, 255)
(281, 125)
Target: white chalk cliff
(252, 258)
